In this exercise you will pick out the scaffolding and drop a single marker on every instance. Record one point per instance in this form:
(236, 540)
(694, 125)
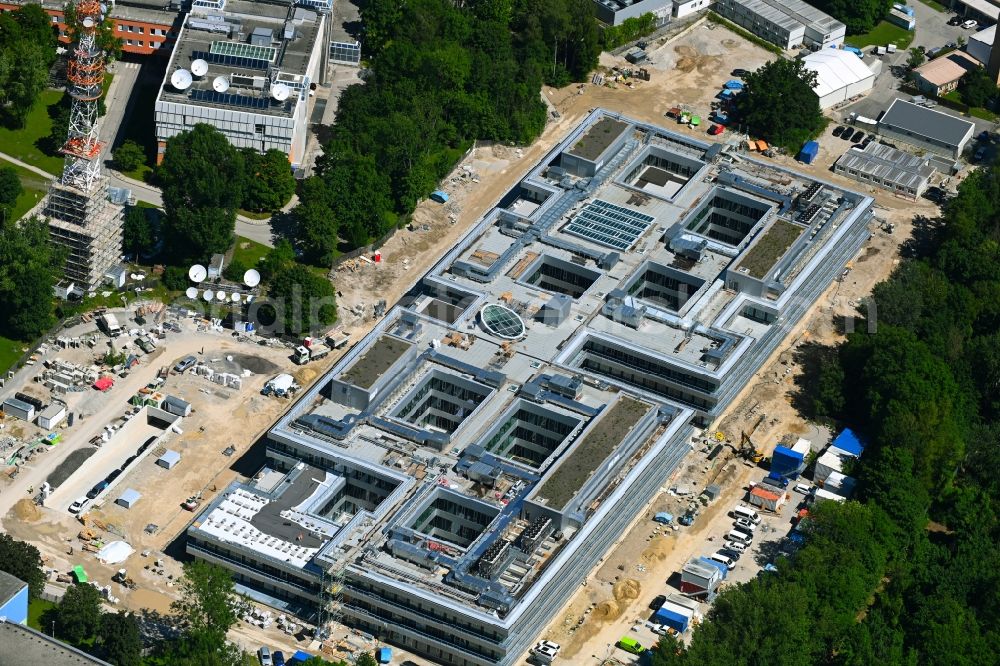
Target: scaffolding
(81, 217)
(331, 600)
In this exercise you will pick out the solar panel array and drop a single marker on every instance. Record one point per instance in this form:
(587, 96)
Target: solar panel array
(609, 225)
(230, 99)
(231, 60)
(243, 50)
(349, 52)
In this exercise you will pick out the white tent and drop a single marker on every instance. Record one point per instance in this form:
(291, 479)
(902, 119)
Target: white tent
(115, 552)
(128, 498)
(840, 75)
(168, 459)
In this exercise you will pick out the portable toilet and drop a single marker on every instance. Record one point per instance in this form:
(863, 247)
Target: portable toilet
(809, 152)
(383, 655)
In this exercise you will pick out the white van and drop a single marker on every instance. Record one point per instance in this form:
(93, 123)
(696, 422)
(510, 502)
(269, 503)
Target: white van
(745, 512)
(739, 537)
(722, 559)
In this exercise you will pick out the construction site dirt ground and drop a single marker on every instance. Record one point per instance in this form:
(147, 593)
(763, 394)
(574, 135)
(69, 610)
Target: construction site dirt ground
(685, 71)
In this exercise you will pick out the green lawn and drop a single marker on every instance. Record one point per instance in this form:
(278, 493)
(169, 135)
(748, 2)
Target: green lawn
(984, 114)
(935, 5)
(10, 351)
(882, 34)
(26, 143)
(249, 252)
(254, 215)
(34, 187)
(36, 609)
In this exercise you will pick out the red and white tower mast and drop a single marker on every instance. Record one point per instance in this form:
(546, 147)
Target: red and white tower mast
(85, 78)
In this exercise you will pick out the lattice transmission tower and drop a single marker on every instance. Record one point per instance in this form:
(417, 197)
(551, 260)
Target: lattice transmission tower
(81, 217)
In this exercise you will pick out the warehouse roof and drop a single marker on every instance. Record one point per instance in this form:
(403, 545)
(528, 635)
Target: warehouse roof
(920, 121)
(946, 69)
(23, 645)
(887, 164)
(836, 69)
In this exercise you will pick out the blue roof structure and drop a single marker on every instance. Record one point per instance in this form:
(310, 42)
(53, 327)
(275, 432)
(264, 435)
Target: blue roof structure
(672, 619)
(733, 84)
(439, 196)
(848, 441)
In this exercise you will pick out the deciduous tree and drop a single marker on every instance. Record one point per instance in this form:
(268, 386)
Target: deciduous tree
(29, 267)
(22, 560)
(120, 640)
(78, 615)
(779, 104)
(129, 156)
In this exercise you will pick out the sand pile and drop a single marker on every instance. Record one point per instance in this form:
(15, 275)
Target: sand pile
(27, 511)
(607, 610)
(658, 549)
(304, 375)
(626, 590)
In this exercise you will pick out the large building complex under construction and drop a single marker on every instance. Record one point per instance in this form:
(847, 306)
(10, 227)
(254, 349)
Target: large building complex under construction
(245, 68)
(82, 219)
(456, 476)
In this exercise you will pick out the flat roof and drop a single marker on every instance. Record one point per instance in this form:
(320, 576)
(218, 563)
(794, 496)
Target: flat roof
(376, 360)
(20, 644)
(597, 139)
(923, 122)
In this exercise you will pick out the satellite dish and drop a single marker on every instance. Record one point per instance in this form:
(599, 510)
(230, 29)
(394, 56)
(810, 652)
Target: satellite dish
(220, 295)
(208, 295)
(181, 79)
(280, 92)
(251, 278)
(88, 22)
(220, 84)
(249, 298)
(199, 67)
(192, 292)
(235, 297)
(197, 273)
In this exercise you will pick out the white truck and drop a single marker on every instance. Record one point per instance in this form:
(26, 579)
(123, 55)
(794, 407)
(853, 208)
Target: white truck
(314, 351)
(109, 323)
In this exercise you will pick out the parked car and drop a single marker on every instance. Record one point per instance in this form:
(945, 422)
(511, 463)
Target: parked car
(955, 20)
(970, 24)
(730, 553)
(745, 524)
(858, 136)
(184, 364)
(657, 602)
(77, 507)
(848, 132)
(736, 545)
(839, 130)
(114, 475)
(740, 72)
(983, 137)
(264, 654)
(739, 536)
(722, 559)
(98, 489)
(803, 488)
(630, 645)
(279, 658)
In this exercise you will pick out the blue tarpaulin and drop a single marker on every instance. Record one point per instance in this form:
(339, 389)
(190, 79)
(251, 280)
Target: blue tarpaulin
(383, 655)
(439, 196)
(848, 441)
(733, 84)
(664, 517)
(786, 463)
(809, 152)
(671, 619)
(299, 657)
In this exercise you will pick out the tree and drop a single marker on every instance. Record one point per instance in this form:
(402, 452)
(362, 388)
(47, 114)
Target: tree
(175, 278)
(202, 179)
(976, 87)
(129, 156)
(304, 302)
(780, 105)
(24, 73)
(858, 15)
(278, 257)
(315, 232)
(78, 615)
(120, 639)
(208, 604)
(365, 659)
(10, 190)
(269, 180)
(29, 267)
(916, 59)
(22, 560)
(137, 232)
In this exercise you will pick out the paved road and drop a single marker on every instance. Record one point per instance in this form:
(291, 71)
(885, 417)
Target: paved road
(117, 102)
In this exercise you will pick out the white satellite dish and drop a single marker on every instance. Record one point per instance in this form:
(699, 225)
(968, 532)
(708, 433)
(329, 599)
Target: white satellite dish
(88, 22)
(220, 295)
(235, 297)
(192, 292)
(197, 273)
(208, 295)
(199, 67)
(220, 84)
(251, 278)
(181, 79)
(249, 298)
(280, 92)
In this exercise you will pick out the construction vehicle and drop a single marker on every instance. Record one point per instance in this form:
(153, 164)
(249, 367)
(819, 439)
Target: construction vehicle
(123, 578)
(747, 450)
(311, 349)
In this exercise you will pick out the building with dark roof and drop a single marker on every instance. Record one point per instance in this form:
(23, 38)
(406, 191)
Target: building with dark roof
(20, 644)
(917, 126)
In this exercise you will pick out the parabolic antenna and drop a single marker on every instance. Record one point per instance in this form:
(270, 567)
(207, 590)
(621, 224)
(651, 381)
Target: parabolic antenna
(220, 295)
(199, 67)
(208, 295)
(181, 79)
(251, 278)
(249, 298)
(220, 84)
(192, 292)
(235, 297)
(88, 22)
(280, 92)
(197, 273)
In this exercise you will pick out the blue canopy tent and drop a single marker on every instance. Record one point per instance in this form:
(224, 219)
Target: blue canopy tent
(733, 84)
(848, 441)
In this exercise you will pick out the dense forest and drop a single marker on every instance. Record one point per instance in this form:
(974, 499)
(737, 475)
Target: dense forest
(909, 573)
(442, 75)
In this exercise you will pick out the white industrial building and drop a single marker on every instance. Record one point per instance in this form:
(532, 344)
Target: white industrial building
(246, 70)
(614, 12)
(925, 129)
(840, 75)
(684, 8)
(786, 23)
(981, 44)
(899, 172)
